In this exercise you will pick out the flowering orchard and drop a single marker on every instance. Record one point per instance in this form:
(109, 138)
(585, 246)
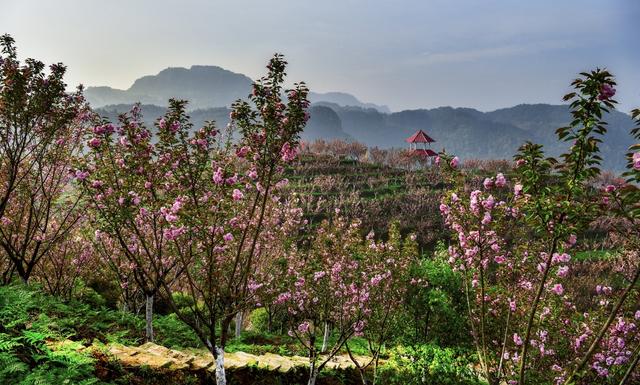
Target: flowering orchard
(200, 227)
(353, 285)
(512, 243)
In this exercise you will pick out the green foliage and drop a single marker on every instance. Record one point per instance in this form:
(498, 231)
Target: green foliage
(435, 304)
(25, 356)
(259, 319)
(173, 333)
(429, 364)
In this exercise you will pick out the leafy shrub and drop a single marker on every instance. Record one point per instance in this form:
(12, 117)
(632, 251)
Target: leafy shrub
(435, 305)
(259, 319)
(428, 364)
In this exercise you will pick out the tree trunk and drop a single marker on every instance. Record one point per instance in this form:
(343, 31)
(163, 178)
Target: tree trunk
(238, 325)
(149, 318)
(325, 338)
(221, 378)
(313, 374)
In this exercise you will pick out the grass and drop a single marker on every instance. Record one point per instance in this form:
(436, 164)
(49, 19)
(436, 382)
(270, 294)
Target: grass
(592, 255)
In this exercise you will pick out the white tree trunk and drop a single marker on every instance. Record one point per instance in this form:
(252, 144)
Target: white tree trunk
(221, 378)
(238, 324)
(313, 374)
(149, 318)
(325, 338)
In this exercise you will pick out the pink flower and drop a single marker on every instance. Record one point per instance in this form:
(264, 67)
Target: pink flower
(437, 160)
(242, 151)
(488, 183)
(454, 162)
(501, 181)
(318, 275)
(486, 219)
(253, 286)
(82, 175)
(517, 340)
(558, 289)
(228, 237)
(288, 152)
(517, 189)
(636, 161)
(303, 327)
(512, 305)
(173, 232)
(237, 194)
(560, 258)
(606, 92)
(610, 188)
(95, 142)
(563, 271)
(489, 202)
(217, 176)
(177, 205)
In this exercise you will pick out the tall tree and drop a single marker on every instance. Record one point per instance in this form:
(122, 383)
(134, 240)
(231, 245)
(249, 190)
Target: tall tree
(41, 129)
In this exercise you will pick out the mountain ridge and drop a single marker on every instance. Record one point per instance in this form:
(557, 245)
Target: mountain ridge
(466, 132)
(205, 86)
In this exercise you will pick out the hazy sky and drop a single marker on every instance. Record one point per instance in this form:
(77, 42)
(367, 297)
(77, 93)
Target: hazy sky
(406, 54)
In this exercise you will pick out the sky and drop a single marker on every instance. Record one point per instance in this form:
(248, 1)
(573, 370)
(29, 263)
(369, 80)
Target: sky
(484, 54)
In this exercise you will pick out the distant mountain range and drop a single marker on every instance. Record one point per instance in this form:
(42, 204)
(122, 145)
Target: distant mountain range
(466, 132)
(203, 86)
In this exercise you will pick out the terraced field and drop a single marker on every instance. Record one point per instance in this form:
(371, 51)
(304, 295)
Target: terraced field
(376, 194)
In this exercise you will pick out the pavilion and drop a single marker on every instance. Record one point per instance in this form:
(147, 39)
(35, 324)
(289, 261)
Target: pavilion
(424, 139)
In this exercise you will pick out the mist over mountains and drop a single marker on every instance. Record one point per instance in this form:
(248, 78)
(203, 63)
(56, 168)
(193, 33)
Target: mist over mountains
(466, 132)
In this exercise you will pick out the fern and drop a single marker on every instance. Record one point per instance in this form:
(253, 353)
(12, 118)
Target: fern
(25, 358)
(7, 343)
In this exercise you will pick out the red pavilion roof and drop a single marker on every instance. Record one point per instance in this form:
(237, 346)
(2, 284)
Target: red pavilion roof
(426, 152)
(419, 137)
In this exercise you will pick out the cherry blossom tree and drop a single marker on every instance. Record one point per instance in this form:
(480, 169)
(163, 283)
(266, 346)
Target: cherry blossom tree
(512, 247)
(337, 282)
(390, 262)
(195, 206)
(128, 181)
(41, 127)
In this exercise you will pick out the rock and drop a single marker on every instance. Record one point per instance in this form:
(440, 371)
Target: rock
(159, 357)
